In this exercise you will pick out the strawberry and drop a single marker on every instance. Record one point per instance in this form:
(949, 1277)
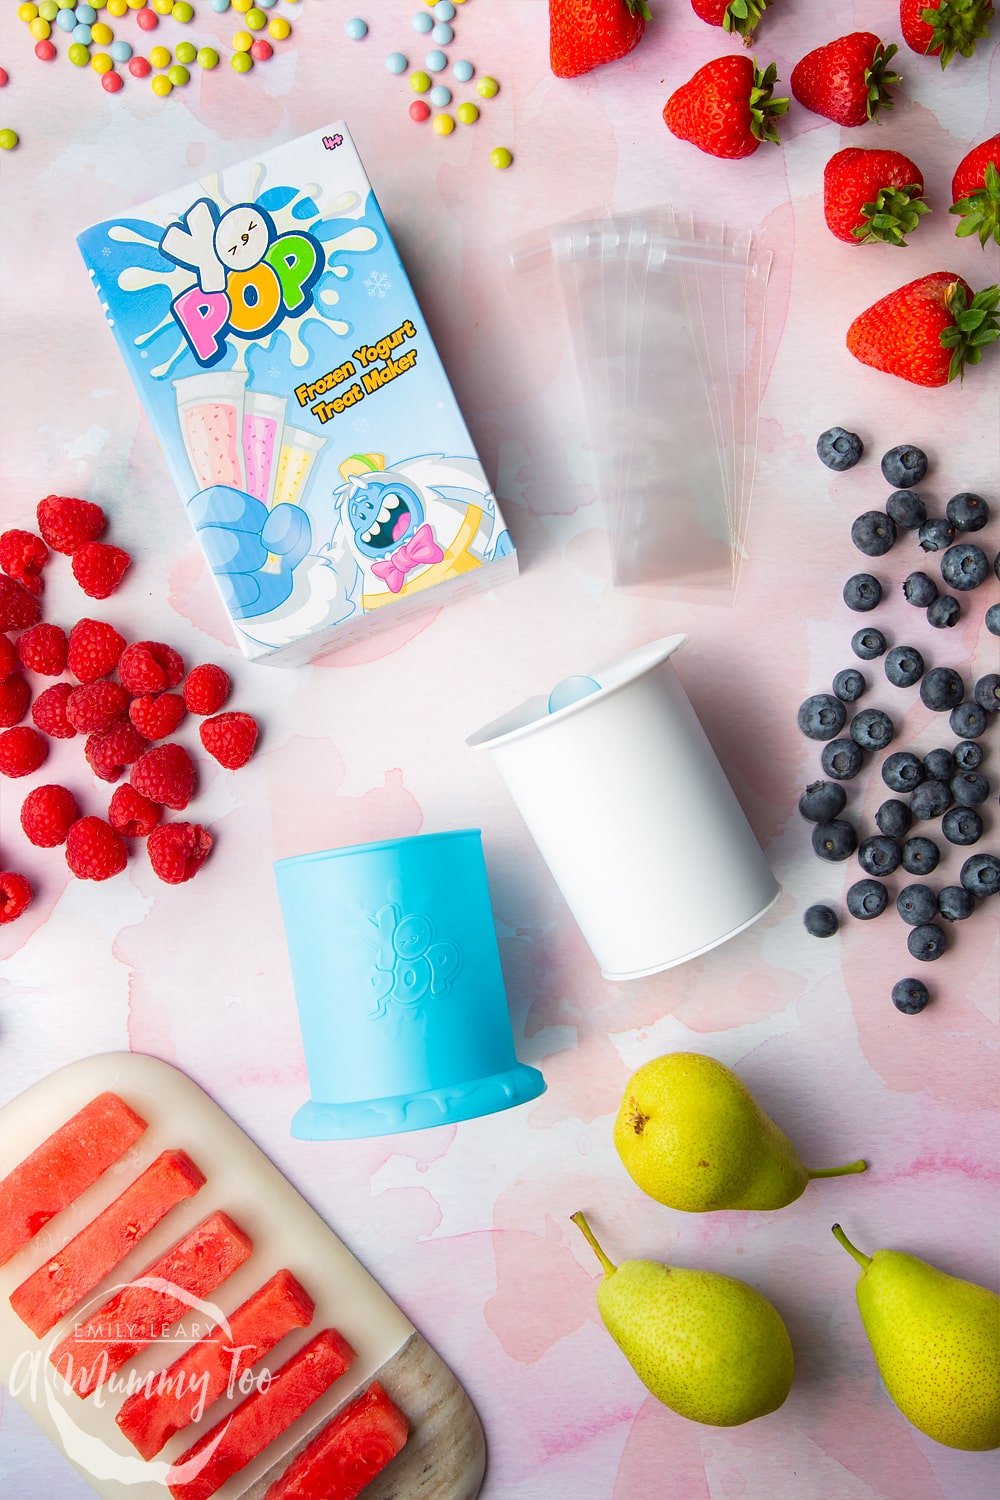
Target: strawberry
(739, 16)
(583, 34)
(726, 109)
(847, 80)
(975, 191)
(927, 331)
(940, 28)
(872, 195)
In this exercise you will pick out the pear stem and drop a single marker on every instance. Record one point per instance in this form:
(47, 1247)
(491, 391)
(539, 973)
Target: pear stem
(578, 1219)
(852, 1166)
(864, 1261)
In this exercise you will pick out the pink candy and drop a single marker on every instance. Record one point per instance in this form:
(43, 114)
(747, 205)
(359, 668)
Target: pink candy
(139, 67)
(148, 20)
(44, 51)
(112, 82)
(3, 77)
(261, 50)
(419, 111)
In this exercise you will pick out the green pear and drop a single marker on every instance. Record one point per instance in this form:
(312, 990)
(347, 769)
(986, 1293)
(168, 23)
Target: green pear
(936, 1341)
(692, 1136)
(709, 1347)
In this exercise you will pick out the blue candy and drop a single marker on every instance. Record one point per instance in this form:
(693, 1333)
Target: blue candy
(439, 96)
(65, 20)
(356, 29)
(443, 34)
(219, 6)
(86, 14)
(435, 62)
(463, 70)
(81, 33)
(120, 51)
(396, 62)
(444, 10)
(422, 21)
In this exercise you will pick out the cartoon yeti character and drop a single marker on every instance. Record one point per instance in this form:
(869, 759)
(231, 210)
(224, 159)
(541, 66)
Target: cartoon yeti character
(420, 523)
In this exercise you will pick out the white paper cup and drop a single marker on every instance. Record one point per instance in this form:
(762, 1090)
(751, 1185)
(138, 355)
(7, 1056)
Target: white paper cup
(633, 814)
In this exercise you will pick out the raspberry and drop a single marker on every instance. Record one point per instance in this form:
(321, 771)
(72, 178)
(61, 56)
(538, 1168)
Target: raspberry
(178, 850)
(66, 524)
(18, 608)
(206, 689)
(109, 753)
(95, 707)
(95, 850)
(15, 896)
(165, 774)
(94, 650)
(230, 738)
(22, 751)
(42, 649)
(99, 568)
(150, 667)
(49, 712)
(47, 814)
(157, 714)
(15, 695)
(132, 814)
(23, 556)
(8, 657)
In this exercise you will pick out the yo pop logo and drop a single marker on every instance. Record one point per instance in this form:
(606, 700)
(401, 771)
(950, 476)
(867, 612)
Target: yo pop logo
(248, 278)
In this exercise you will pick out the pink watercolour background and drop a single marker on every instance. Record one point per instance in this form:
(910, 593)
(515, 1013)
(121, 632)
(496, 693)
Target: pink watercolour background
(468, 1227)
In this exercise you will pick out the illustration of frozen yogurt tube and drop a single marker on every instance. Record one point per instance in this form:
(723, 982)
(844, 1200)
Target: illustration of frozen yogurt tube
(210, 411)
(633, 814)
(399, 988)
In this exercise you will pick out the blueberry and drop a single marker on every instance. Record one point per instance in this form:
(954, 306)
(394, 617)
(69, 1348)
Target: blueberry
(962, 826)
(821, 717)
(849, 684)
(993, 619)
(930, 799)
(967, 512)
(820, 921)
(968, 755)
(941, 689)
(872, 729)
(965, 566)
(968, 720)
(867, 899)
(955, 903)
(902, 771)
(927, 942)
(910, 996)
(839, 449)
(904, 666)
(822, 801)
(868, 643)
(862, 592)
(904, 466)
(996, 565)
(939, 765)
(919, 589)
(874, 533)
(906, 509)
(920, 856)
(980, 875)
(987, 692)
(969, 788)
(894, 819)
(944, 612)
(842, 759)
(878, 855)
(835, 840)
(936, 534)
(917, 904)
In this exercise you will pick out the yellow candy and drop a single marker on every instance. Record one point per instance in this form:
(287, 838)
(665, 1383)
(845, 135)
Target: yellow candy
(136, 4)
(468, 114)
(159, 57)
(101, 62)
(256, 19)
(40, 29)
(242, 6)
(242, 42)
(501, 158)
(443, 124)
(27, 13)
(241, 62)
(487, 88)
(161, 85)
(279, 28)
(102, 34)
(117, 8)
(163, 7)
(419, 83)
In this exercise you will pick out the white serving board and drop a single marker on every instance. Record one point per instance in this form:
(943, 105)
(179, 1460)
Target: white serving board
(444, 1457)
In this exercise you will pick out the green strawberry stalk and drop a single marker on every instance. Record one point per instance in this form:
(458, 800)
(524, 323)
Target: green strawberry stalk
(975, 325)
(880, 80)
(742, 17)
(764, 109)
(956, 26)
(894, 213)
(979, 211)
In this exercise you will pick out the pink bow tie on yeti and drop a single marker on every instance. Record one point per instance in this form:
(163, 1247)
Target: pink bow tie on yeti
(421, 548)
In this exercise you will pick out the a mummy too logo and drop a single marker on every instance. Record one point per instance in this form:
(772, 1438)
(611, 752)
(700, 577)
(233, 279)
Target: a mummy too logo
(247, 277)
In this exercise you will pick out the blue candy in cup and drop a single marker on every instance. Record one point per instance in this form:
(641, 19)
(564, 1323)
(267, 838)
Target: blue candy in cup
(400, 992)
